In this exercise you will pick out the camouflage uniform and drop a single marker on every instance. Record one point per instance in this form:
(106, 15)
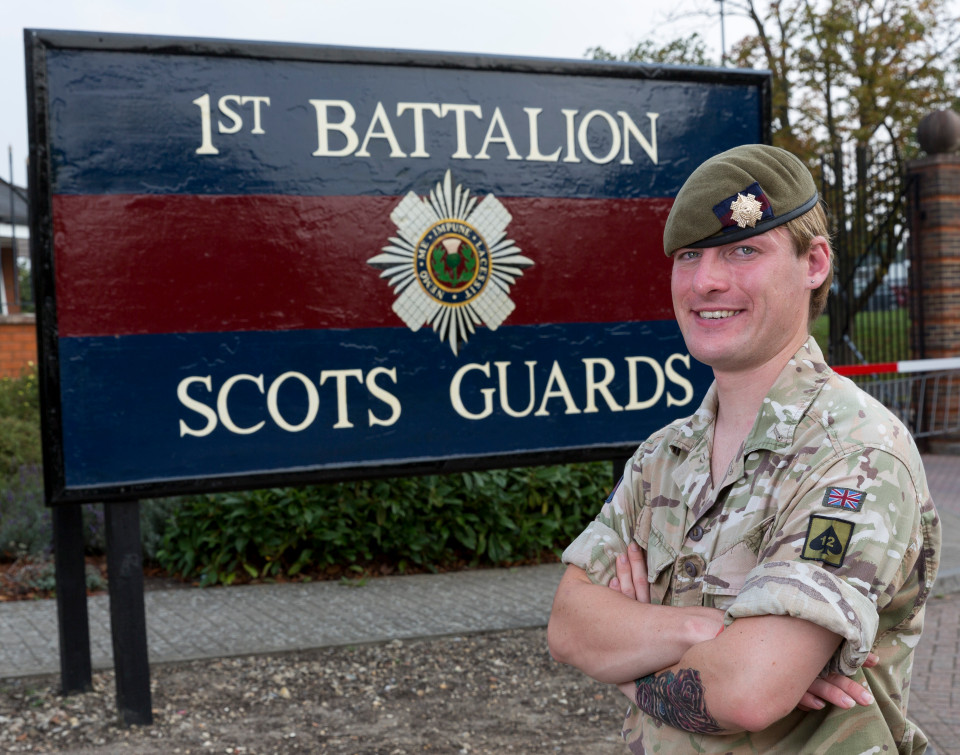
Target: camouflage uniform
(823, 515)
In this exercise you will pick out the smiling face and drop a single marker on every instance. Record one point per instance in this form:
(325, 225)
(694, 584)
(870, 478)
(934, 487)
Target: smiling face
(743, 305)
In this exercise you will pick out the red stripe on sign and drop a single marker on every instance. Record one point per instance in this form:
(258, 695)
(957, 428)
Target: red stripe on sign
(865, 369)
(189, 264)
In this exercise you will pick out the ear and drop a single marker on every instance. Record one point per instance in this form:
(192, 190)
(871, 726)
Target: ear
(819, 259)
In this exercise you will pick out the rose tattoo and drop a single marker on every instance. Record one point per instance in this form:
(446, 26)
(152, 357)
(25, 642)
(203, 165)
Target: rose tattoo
(677, 700)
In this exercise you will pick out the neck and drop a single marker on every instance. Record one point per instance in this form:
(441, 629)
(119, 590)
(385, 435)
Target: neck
(740, 394)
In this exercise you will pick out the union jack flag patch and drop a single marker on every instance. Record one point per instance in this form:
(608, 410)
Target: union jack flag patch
(843, 498)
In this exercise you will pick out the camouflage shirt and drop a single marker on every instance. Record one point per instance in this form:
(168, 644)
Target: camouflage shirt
(824, 514)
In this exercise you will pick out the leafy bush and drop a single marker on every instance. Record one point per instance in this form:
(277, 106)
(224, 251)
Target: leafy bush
(19, 446)
(494, 517)
(20, 397)
(19, 424)
(26, 524)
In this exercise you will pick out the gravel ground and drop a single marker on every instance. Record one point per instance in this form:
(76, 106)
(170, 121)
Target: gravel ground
(488, 693)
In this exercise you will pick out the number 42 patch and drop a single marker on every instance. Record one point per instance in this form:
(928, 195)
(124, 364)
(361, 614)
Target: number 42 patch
(827, 540)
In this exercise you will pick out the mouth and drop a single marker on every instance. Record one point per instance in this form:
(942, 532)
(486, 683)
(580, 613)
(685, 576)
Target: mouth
(718, 314)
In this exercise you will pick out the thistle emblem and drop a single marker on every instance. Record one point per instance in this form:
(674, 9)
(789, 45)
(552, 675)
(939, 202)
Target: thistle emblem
(451, 264)
(746, 210)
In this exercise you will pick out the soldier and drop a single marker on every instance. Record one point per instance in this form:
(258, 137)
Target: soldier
(762, 566)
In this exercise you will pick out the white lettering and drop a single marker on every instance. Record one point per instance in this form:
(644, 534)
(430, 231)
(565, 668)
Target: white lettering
(385, 132)
(313, 402)
(233, 115)
(504, 400)
(569, 116)
(202, 409)
(257, 101)
(533, 113)
(562, 390)
(584, 142)
(459, 112)
(341, 378)
(635, 404)
(457, 402)
(630, 129)
(504, 138)
(224, 413)
(593, 386)
(388, 398)
(419, 147)
(206, 127)
(345, 127)
(679, 380)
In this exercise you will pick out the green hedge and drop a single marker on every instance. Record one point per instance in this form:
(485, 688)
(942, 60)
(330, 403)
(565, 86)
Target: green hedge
(495, 517)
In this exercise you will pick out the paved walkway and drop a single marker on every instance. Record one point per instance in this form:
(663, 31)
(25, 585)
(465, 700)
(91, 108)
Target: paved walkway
(186, 624)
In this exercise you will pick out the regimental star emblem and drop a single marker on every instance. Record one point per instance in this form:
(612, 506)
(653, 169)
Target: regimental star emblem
(451, 265)
(746, 210)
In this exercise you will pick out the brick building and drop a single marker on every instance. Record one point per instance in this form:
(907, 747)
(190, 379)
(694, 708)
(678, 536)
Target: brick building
(18, 340)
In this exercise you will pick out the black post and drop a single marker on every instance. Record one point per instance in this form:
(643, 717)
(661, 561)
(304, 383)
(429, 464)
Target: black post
(72, 619)
(128, 620)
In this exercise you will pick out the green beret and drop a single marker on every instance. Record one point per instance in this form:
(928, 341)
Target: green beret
(737, 194)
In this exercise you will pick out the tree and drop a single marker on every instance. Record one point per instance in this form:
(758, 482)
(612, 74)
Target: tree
(850, 82)
(690, 51)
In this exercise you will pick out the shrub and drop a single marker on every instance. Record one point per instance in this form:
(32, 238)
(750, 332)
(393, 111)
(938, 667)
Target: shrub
(19, 424)
(20, 397)
(494, 517)
(25, 526)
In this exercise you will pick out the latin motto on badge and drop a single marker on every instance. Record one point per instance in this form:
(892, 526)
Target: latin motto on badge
(451, 264)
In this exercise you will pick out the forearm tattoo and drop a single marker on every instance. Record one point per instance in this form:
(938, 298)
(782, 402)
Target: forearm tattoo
(677, 700)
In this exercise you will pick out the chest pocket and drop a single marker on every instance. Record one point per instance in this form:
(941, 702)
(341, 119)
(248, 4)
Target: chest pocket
(726, 573)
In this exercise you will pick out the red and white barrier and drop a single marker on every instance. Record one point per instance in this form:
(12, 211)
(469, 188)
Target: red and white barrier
(908, 365)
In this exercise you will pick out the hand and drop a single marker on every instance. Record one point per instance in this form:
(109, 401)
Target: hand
(837, 689)
(631, 579)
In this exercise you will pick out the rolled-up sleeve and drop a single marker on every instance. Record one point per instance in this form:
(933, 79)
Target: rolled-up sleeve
(868, 503)
(596, 549)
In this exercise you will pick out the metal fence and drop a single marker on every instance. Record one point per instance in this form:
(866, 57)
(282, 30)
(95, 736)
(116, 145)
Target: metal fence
(869, 310)
(928, 403)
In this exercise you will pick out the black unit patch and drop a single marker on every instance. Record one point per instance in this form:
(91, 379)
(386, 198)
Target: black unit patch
(827, 540)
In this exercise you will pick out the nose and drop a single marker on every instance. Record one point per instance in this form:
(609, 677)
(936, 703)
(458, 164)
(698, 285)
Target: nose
(710, 274)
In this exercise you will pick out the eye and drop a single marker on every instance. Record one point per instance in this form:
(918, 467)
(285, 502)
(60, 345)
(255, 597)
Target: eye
(687, 254)
(744, 251)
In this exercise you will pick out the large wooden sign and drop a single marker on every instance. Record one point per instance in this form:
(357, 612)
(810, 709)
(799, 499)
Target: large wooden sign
(272, 263)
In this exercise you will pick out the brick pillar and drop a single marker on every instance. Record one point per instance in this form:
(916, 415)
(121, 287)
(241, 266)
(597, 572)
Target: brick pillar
(936, 274)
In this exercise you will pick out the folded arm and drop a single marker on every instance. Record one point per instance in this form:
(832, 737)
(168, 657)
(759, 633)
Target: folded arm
(617, 638)
(692, 674)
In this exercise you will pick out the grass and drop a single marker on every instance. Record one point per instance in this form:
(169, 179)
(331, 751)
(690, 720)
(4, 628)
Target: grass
(878, 336)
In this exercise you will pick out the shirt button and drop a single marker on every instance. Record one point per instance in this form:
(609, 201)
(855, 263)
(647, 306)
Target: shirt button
(696, 533)
(690, 568)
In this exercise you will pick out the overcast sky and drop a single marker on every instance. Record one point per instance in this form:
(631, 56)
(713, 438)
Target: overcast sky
(539, 28)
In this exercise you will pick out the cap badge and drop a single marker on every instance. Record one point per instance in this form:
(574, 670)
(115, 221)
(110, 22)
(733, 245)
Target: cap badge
(744, 209)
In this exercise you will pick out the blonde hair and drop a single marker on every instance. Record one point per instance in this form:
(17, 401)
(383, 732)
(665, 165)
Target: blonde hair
(803, 230)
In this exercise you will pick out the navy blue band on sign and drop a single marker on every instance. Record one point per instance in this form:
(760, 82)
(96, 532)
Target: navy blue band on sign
(726, 237)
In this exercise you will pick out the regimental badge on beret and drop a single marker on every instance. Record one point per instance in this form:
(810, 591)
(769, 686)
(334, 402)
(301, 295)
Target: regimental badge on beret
(744, 209)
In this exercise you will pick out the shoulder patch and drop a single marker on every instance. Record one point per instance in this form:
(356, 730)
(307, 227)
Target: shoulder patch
(843, 498)
(827, 540)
